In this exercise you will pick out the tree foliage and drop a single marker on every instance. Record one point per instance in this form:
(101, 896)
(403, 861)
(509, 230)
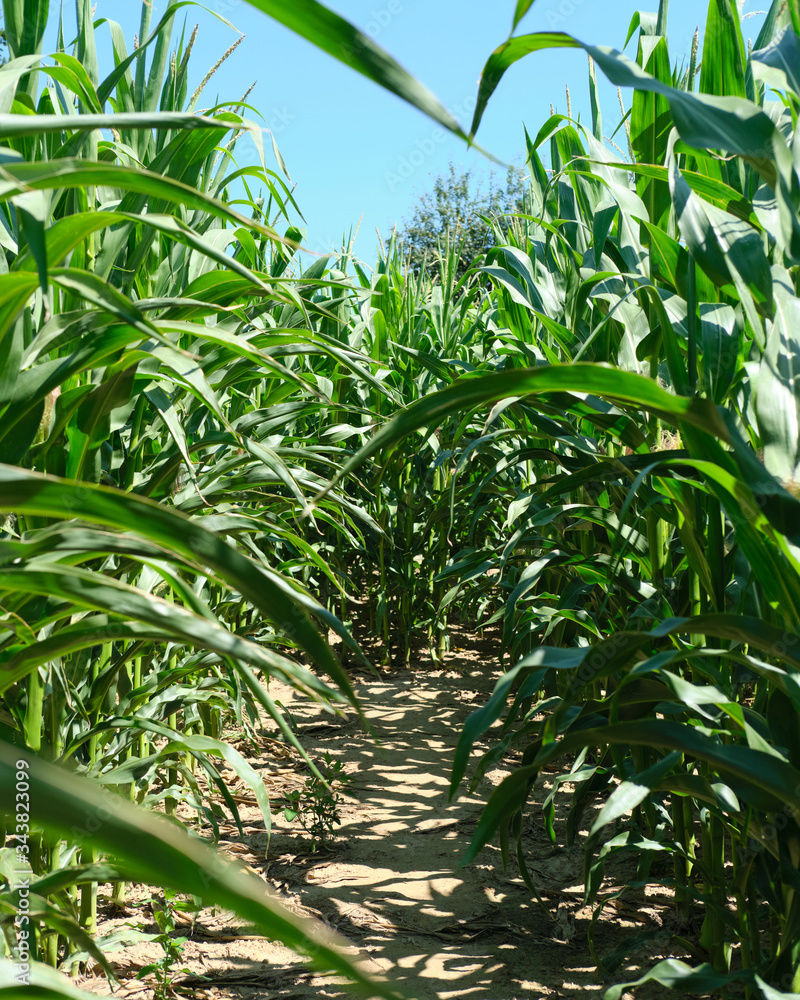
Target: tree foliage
(458, 211)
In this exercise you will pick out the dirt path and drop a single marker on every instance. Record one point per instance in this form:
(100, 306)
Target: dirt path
(391, 880)
(395, 885)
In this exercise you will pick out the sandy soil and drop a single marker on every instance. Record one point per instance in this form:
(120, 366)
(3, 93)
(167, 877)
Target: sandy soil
(391, 879)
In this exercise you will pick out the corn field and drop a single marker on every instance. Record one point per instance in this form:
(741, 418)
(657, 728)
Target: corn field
(212, 452)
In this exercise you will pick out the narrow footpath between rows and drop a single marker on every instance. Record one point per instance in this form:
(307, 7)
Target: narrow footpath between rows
(391, 881)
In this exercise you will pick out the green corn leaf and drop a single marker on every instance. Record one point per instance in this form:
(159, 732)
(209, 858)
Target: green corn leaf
(24, 26)
(602, 380)
(100, 629)
(41, 982)
(148, 97)
(710, 189)
(644, 21)
(757, 778)
(720, 335)
(651, 124)
(480, 720)
(109, 595)
(729, 123)
(629, 794)
(20, 126)
(63, 878)
(722, 70)
(33, 210)
(65, 924)
(44, 176)
(778, 64)
(72, 73)
(778, 18)
(778, 387)
(86, 51)
(198, 745)
(66, 234)
(22, 491)
(89, 428)
(681, 977)
(594, 98)
(522, 8)
(604, 219)
(10, 75)
(727, 249)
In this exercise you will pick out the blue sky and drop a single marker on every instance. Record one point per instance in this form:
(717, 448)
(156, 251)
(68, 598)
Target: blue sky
(344, 139)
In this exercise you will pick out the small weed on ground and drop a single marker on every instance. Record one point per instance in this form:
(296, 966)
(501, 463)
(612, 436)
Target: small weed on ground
(165, 969)
(316, 805)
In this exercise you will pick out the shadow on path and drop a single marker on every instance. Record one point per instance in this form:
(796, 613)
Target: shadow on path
(392, 881)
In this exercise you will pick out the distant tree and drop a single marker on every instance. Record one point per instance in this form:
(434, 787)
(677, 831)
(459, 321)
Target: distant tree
(454, 210)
